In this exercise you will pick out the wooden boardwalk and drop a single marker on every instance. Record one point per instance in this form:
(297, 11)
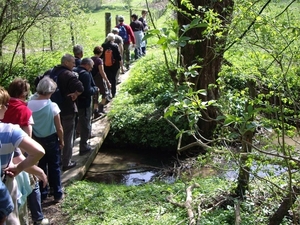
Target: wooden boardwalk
(100, 129)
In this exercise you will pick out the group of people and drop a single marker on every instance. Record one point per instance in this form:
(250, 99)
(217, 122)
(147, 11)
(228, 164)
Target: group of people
(133, 34)
(37, 131)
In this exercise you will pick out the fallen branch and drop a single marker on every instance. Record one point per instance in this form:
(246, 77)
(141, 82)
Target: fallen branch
(187, 204)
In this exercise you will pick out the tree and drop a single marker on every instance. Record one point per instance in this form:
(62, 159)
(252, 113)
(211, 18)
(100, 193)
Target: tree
(205, 47)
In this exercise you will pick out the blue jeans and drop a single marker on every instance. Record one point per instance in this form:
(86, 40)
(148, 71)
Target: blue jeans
(34, 203)
(50, 163)
(6, 204)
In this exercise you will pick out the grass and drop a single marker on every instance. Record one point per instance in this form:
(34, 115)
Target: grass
(92, 203)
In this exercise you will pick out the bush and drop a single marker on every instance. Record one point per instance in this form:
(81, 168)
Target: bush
(144, 95)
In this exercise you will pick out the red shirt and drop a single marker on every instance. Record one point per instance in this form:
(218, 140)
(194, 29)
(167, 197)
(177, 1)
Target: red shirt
(17, 112)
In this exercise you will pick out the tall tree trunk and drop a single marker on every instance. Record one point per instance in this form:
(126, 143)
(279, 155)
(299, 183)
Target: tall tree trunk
(205, 53)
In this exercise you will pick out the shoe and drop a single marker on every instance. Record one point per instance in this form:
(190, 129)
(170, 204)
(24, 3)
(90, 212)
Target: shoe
(97, 114)
(71, 165)
(85, 151)
(101, 109)
(44, 221)
(59, 200)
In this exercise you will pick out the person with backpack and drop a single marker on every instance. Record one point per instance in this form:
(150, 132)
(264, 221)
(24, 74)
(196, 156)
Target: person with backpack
(84, 103)
(127, 35)
(68, 89)
(111, 58)
(138, 30)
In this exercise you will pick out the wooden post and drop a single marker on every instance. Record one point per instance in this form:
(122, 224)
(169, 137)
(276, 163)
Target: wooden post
(107, 23)
(117, 21)
(72, 34)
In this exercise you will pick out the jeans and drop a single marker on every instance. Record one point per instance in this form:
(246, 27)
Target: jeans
(50, 163)
(84, 127)
(6, 204)
(34, 203)
(68, 124)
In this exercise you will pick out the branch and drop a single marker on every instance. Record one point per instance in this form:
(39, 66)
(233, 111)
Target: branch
(248, 28)
(285, 8)
(187, 204)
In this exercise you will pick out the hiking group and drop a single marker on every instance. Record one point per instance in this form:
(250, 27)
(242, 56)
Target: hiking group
(37, 132)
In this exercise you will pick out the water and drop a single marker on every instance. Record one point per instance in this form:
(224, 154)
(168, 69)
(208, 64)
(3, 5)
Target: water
(127, 166)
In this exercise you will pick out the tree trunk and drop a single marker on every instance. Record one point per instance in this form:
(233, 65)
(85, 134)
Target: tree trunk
(205, 53)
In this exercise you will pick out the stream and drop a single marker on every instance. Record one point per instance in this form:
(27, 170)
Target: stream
(127, 166)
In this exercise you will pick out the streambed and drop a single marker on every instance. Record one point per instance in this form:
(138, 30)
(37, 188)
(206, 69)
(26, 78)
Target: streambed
(127, 166)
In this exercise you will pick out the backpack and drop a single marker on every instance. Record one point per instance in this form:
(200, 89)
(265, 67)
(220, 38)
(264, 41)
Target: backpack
(123, 33)
(108, 57)
(56, 96)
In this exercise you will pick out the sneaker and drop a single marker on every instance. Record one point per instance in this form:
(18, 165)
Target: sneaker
(44, 221)
(71, 165)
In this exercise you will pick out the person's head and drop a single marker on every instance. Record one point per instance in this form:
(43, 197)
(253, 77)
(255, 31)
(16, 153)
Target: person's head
(121, 19)
(68, 61)
(46, 86)
(19, 88)
(134, 17)
(87, 63)
(98, 50)
(115, 30)
(144, 12)
(4, 98)
(78, 51)
(110, 37)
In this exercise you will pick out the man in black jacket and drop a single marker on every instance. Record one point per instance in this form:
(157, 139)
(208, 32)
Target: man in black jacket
(70, 88)
(111, 71)
(84, 103)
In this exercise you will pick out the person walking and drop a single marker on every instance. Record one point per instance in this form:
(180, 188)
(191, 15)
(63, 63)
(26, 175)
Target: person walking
(143, 19)
(70, 88)
(84, 103)
(112, 68)
(101, 82)
(127, 35)
(120, 43)
(138, 30)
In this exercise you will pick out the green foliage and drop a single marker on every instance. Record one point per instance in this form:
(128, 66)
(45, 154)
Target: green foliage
(144, 95)
(91, 203)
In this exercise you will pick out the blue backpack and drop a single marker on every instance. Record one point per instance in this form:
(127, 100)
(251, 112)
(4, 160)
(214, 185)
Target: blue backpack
(123, 33)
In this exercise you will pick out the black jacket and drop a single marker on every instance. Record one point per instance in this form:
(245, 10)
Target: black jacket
(67, 83)
(116, 53)
(90, 89)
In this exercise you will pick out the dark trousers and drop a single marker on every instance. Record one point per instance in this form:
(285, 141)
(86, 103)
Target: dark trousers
(50, 163)
(111, 73)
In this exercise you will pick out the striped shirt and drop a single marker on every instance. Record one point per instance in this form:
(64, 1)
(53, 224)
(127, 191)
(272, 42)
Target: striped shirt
(10, 138)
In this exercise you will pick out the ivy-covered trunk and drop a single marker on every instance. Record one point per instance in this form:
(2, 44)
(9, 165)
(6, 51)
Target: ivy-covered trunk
(207, 50)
